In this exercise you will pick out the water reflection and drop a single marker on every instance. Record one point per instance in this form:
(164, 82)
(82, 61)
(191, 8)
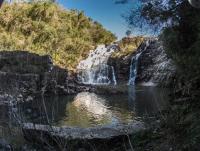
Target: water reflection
(148, 101)
(88, 109)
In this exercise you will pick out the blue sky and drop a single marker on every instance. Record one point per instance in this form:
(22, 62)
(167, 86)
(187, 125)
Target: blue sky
(104, 11)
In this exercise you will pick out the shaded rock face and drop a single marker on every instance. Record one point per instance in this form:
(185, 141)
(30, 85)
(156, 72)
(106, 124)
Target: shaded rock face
(154, 67)
(122, 68)
(22, 62)
(23, 74)
(20, 72)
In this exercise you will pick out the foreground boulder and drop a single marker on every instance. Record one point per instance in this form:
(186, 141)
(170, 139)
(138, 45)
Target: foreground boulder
(65, 137)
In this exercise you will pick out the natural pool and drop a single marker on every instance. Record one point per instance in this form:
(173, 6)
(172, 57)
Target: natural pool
(83, 110)
(89, 109)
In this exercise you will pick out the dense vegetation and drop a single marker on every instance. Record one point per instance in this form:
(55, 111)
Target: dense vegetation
(180, 32)
(180, 24)
(127, 46)
(46, 28)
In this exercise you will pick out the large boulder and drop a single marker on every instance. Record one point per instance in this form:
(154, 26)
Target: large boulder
(63, 138)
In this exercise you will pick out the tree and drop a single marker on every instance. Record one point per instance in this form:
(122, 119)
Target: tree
(180, 26)
(128, 33)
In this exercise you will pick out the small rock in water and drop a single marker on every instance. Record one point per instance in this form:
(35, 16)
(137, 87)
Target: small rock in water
(29, 99)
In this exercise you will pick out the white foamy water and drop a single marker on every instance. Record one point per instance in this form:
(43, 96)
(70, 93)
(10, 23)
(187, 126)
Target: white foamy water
(94, 69)
(134, 64)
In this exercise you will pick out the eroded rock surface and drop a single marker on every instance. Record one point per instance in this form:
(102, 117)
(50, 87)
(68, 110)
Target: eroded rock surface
(75, 133)
(122, 67)
(24, 74)
(154, 66)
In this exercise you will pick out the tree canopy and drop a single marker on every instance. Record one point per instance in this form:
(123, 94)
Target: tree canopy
(179, 24)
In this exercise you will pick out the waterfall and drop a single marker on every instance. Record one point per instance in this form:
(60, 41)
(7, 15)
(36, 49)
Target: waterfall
(134, 63)
(133, 69)
(94, 69)
(113, 76)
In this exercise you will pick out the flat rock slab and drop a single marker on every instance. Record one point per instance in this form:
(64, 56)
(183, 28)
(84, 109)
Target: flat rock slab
(75, 133)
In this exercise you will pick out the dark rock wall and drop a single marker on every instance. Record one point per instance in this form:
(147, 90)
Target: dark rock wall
(23, 62)
(122, 68)
(154, 66)
(24, 74)
(20, 72)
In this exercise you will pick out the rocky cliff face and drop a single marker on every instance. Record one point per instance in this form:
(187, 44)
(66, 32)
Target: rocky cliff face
(23, 74)
(122, 67)
(154, 66)
(20, 72)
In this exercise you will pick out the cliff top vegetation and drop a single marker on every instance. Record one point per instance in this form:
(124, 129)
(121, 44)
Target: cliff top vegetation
(128, 45)
(47, 28)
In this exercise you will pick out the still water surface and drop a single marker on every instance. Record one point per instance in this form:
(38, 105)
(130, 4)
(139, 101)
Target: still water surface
(83, 110)
(89, 109)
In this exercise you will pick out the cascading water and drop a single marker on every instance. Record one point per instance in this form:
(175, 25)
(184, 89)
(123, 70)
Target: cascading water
(133, 69)
(134, 64)
(113, 75)
(94, 70)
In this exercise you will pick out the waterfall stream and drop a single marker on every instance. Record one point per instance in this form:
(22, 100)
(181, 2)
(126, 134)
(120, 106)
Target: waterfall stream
(94, 69)
(133, 69)
(134, 63)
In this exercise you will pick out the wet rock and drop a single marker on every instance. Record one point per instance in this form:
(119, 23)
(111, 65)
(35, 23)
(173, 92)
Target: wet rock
(94, 69)
(154, 66)
(122, 67)
(48, 134)
(22, 62)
